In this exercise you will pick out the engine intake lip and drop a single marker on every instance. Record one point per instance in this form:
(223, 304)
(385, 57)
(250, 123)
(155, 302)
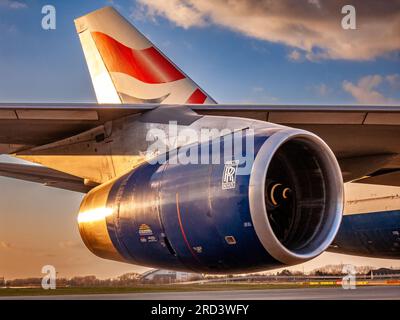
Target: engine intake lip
(334, 193)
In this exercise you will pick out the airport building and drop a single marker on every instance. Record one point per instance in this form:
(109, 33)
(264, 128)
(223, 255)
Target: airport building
(169, 276)
(384, 272)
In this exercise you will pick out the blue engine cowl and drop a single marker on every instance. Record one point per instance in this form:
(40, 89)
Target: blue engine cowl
(286, 211)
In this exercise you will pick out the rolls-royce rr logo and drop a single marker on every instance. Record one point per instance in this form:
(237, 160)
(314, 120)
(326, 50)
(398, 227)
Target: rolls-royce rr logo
(229, 176)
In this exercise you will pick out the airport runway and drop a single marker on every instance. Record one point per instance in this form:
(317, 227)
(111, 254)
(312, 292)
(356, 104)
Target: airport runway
(362, 293)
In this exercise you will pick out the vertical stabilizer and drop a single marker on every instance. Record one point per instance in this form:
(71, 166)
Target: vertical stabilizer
(126, 67)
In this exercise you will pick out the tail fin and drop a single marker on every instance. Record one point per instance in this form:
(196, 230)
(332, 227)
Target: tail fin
(126, 67)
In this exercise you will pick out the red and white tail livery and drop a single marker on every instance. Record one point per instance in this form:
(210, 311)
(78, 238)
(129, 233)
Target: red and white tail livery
(126, 67)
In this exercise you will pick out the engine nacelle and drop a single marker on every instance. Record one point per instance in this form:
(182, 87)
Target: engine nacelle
(174, 216)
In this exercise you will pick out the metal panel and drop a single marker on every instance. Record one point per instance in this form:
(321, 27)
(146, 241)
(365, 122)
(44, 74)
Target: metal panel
(7, 114)
(57, 115)
(257, 115)
(386, 118)
(320, 117)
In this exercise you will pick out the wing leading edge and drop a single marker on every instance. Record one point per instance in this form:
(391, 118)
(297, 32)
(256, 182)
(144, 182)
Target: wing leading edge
(45, 176)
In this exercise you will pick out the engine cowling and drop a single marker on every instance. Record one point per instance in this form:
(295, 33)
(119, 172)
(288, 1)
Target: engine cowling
(168, 215)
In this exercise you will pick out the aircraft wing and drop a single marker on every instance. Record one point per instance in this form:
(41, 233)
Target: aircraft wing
(38, 124)
(45, 176)
(365, 139)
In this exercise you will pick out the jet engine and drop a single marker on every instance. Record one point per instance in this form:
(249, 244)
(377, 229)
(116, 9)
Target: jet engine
(210, 218)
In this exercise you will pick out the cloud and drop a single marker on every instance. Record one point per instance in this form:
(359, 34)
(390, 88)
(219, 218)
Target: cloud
(259, 94)
(11, 4)
(321, 89)
(312, 27)
(258, 89)
(315, 3)
(5, 245)
(7, 30)
(184, 13)
(295, 56)
(114, 4)
(394, 81)
(367, 89)
(70, 244)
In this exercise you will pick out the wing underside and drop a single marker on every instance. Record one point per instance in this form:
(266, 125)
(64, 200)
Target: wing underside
(365, 139)
(37, 124)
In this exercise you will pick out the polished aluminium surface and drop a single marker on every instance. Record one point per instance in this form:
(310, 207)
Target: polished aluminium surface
(92, 223)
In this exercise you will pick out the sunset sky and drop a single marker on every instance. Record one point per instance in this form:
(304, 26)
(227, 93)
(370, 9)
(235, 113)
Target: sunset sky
(243, 51)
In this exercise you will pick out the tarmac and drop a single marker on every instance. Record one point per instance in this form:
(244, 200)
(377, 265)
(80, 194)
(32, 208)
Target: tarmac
(337, 293)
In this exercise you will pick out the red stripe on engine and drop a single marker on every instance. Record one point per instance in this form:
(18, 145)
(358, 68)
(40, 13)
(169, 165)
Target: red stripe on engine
(197, 97)
(178, 211)
(147, 65)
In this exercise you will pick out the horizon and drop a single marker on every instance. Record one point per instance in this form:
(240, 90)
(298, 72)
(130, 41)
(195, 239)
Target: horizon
(274, 272)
